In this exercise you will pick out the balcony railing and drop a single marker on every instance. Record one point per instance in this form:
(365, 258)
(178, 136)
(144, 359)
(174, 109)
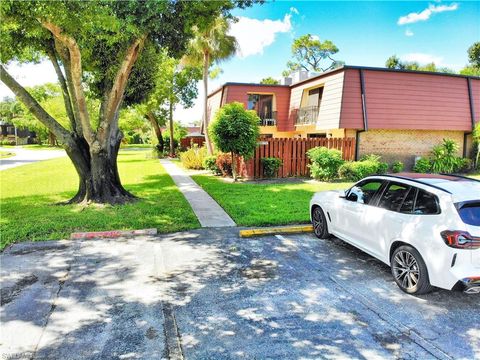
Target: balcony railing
(307, 115)
(269, 119)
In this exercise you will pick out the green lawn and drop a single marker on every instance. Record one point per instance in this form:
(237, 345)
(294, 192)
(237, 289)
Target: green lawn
(6, 154)
(255, 204)
(33, 147)
(28, 194)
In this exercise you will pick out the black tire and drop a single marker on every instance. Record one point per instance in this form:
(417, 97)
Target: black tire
(319, 222)
(409, 271)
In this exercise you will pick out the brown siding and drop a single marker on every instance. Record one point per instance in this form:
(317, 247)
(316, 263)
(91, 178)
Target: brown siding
(282, 99)
(419, 101)
(476, 98)
(352, 115)
(213, 104)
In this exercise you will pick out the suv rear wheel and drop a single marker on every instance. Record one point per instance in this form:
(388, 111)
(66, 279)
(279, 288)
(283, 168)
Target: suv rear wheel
(409, 271)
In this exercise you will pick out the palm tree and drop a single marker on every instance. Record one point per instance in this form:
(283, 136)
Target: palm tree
(211, 45)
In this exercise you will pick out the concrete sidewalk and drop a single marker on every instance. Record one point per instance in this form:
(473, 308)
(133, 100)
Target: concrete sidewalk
(208, 212)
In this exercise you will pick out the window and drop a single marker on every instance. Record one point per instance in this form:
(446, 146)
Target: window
(364, 191)
(426, 204)
(407, 206)
(470, 213)
(317, 135)
(393, 196)
(315, 96)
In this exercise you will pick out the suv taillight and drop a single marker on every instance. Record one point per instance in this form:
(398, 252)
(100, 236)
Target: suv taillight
(460, 239)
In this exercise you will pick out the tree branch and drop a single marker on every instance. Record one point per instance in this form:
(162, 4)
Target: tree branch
(75, 62)
(114, 98)
(63, 84)
(35, 108)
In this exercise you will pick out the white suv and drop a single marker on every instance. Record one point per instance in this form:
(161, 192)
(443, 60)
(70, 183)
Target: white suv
(425, 226)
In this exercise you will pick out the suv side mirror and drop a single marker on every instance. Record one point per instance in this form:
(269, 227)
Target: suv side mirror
(352, 197)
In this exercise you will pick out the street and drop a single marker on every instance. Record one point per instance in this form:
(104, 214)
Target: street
(26, 156)
(207, 294)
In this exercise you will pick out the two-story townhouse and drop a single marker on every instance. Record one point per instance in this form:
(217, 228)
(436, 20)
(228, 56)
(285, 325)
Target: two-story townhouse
(398, 114)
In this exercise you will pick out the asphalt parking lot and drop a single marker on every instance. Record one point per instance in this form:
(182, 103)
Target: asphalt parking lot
(208, 294)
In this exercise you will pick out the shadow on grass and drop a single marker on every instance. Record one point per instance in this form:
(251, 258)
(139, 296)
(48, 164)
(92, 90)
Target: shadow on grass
(36, 217)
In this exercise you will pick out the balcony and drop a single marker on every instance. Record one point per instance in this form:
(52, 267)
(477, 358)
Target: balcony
(268, 119)
(306, 115)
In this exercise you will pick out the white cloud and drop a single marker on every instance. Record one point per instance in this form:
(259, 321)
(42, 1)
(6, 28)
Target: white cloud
(254, 35)
(29, 75)
(426, 13)
(409, 32)
(294, 10)
(315, 37)
(423, 58)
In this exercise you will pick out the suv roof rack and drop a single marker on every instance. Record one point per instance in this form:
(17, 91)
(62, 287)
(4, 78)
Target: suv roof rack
(416, 181)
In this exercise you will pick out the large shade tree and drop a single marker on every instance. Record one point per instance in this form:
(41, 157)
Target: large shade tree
(210, 45)
(103, 50)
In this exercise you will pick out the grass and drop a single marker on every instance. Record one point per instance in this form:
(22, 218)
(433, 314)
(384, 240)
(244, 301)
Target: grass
(259, 204)
(28, 195)
(6, 154)
(33, 147)
(145, 146)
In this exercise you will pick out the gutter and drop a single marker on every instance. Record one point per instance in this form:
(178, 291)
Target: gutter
(472, 116)
(364, 113)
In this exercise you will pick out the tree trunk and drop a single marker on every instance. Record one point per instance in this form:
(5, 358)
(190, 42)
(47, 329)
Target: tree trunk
(170, 118)
(206, 65)
(52, 140)
(158, 131)
(234, 167)
(99, 181)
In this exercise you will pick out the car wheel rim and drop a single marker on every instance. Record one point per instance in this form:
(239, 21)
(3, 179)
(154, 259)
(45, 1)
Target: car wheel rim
(405, 270)
(318, 222)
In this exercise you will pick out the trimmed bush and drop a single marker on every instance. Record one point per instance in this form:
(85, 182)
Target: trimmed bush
(224, 164)
(324, 162)
(210, 163)
(423, 165)
(357, 170)
(397, 167)
(193, 157)
(271, 166)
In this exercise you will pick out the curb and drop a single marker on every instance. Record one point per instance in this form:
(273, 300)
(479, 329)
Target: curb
(276, 230)
(112, 233)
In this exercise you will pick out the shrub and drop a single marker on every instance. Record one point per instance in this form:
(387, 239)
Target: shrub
(224, 164)
(397, 167)
(357, 170)
(423, 165)
(193, 157)
(465, 165)
(444, 158)
(210, 163)
(235, 130)
(324, 162)
(271, 166)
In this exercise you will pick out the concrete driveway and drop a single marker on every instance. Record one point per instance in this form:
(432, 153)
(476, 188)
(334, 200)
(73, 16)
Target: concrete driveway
(25, 156)
(207, 294)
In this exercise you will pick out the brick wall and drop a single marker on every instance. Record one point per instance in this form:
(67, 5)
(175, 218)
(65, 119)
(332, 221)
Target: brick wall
(404, 145)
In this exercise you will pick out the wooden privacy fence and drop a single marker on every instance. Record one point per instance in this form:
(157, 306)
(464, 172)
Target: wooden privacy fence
(293, 153)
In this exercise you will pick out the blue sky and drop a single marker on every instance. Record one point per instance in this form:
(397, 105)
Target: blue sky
(366, 33)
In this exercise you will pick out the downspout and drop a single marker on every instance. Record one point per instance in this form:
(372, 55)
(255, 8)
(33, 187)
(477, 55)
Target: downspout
(364, 114)
(472, 117)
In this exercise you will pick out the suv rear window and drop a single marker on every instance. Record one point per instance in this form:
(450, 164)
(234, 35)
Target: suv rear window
(469, 212)
(426, 204)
